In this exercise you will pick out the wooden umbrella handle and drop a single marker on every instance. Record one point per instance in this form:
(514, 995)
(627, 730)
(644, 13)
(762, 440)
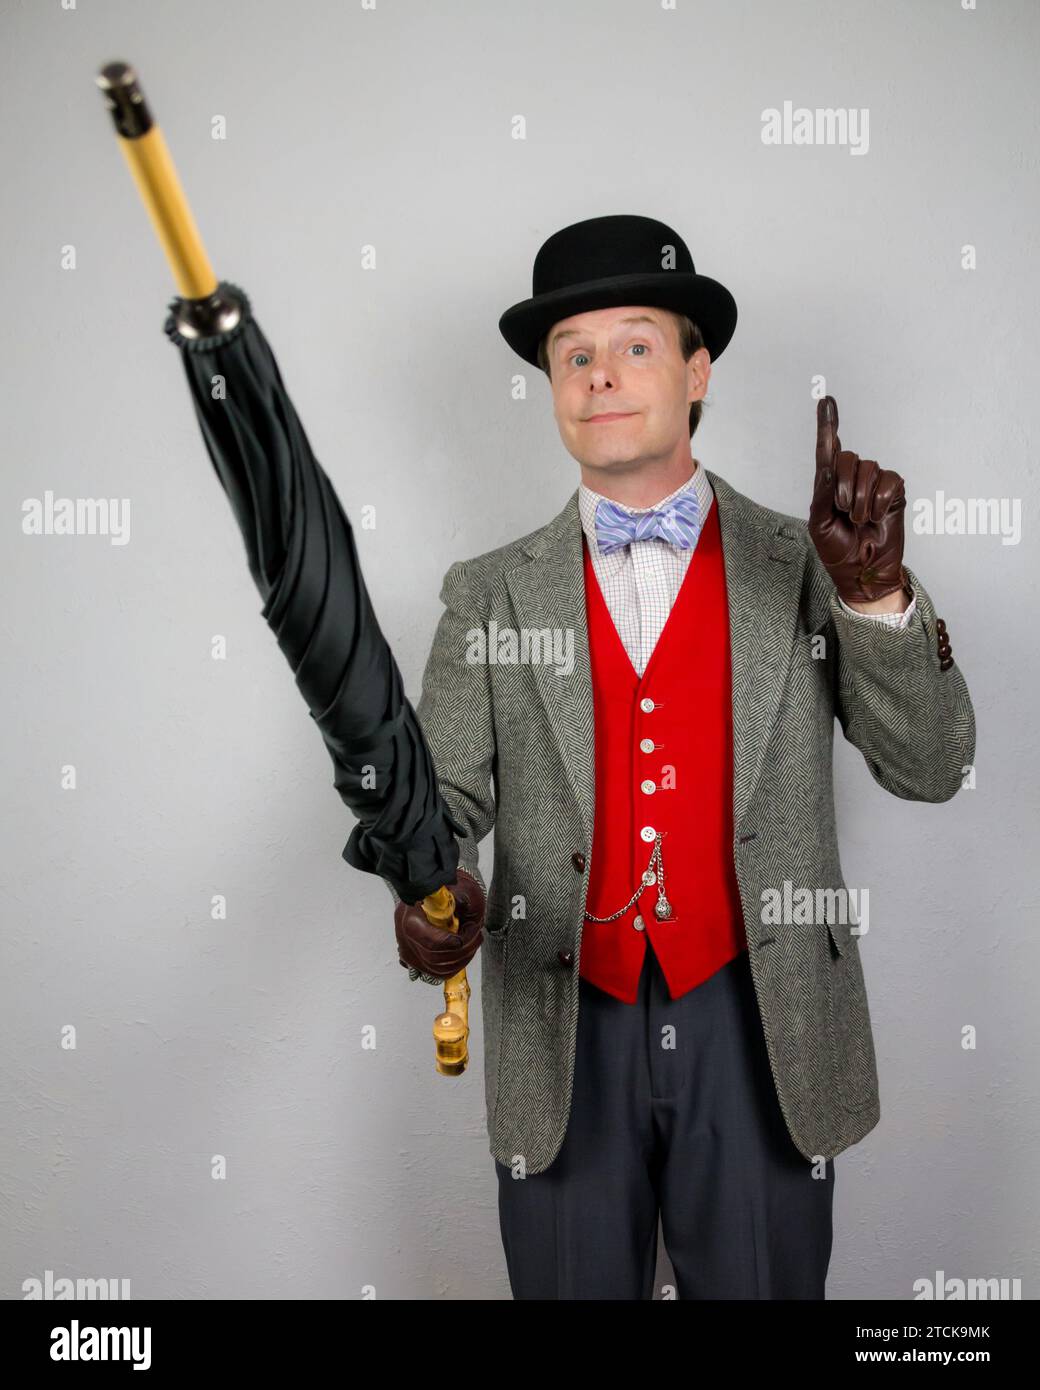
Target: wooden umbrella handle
(450, 1028)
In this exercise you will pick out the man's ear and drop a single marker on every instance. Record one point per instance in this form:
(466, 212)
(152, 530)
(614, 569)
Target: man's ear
(699, 374)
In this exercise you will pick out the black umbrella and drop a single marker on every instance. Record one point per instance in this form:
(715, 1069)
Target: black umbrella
(303, 559)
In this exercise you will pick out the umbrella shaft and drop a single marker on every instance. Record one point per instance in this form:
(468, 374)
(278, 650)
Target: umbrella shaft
(154, 173)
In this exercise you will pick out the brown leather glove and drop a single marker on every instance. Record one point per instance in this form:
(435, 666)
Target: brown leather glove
(856, 516)
(431, 951)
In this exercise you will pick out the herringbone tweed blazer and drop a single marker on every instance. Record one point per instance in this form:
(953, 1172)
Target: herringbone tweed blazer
(514, 750)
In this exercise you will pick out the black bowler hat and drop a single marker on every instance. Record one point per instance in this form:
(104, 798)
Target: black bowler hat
(607, 262)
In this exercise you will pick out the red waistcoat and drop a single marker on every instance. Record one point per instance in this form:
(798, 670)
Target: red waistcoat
(683, 786)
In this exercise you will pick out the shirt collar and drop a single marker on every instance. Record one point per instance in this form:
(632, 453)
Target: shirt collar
(589, 500)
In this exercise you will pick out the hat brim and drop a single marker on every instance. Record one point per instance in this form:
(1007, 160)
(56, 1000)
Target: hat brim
(709, 304)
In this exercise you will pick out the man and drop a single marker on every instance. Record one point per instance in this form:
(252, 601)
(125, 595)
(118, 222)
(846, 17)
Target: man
(658, 1039)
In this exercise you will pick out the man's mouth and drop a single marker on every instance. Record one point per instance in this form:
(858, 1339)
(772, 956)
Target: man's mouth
(611, 415)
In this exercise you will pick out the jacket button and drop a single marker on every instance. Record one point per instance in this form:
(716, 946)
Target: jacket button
(578, 860)
(943, 645)
(566, 958)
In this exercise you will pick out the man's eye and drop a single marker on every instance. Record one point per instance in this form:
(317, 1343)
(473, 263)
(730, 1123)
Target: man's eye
(575, 355)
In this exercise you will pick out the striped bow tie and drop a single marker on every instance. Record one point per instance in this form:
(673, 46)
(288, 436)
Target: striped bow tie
(678, 522)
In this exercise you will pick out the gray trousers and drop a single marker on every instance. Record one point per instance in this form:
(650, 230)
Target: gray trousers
(674, 1113)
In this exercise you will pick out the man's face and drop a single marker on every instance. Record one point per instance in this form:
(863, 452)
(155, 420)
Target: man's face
(623, 366)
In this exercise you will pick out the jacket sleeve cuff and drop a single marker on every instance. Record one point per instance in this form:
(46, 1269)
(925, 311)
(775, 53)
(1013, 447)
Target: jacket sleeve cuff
(866, 640)
(898, 621)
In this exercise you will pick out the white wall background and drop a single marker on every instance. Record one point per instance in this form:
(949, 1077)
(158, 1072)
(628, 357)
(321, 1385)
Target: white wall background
(392, 126)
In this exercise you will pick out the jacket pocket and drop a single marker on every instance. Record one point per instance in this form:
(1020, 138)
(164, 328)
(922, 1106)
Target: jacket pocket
(841, 936)
(852, 1042)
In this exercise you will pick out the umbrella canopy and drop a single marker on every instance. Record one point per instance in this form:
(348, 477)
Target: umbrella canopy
(303, 559)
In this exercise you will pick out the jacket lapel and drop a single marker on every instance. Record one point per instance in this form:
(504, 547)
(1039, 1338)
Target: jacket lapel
(763, 563)
(548, 590)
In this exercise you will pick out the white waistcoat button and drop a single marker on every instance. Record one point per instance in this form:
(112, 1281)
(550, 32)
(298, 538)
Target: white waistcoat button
(639, 924)
(647, 833)
(648, 786)
(646, 704)
(647, 745)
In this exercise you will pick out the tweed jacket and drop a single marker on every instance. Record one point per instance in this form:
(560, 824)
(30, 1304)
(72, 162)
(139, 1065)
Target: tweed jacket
(513, 745)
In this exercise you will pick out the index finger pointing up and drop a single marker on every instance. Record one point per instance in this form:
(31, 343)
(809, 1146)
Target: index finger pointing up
(827, 442)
